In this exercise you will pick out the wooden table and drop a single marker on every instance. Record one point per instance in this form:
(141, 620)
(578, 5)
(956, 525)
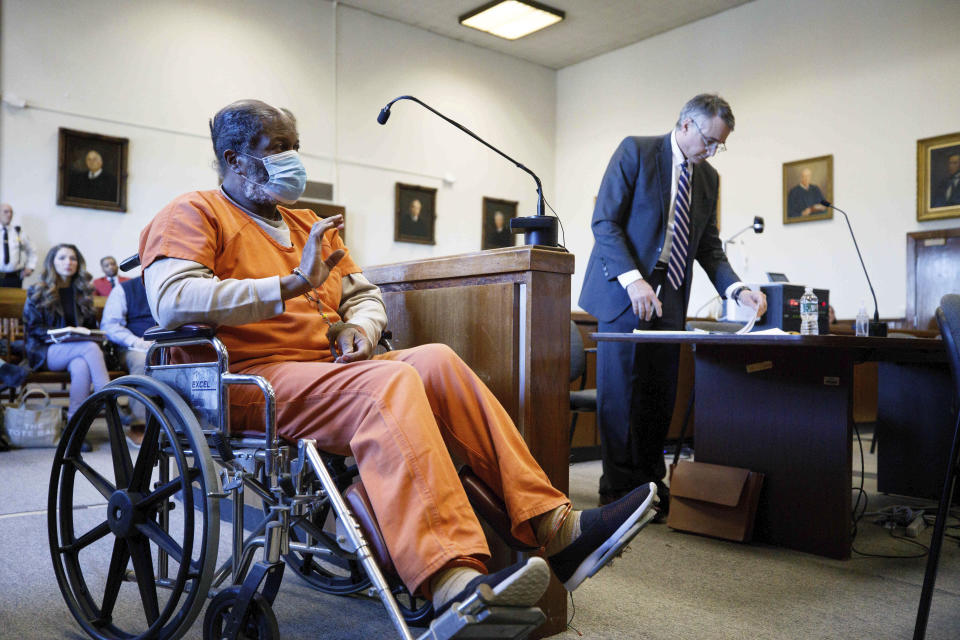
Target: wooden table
(782, 405)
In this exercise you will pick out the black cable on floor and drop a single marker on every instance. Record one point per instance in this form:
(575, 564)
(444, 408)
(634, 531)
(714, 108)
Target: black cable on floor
(855, 517)
(573, 615)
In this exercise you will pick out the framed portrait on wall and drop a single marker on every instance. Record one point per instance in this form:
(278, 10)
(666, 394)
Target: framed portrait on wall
(92, 171)
(805, 184)
(415, 214)
(324, 210)
(496, 232)
(938, 177)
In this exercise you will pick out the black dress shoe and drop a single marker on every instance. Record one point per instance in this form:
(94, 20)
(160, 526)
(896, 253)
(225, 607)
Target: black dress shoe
(663, 507)
(605, 531)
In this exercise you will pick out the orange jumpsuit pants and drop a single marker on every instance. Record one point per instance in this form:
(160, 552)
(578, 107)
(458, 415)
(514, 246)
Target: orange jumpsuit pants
(402, 415)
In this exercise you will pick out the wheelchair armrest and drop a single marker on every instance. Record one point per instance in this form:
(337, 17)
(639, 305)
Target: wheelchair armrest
(182, 332)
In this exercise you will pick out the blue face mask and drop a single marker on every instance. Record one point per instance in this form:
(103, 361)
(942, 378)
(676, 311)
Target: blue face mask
(288, 178)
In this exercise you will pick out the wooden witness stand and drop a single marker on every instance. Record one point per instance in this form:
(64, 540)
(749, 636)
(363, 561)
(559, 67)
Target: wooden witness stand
(506, 312)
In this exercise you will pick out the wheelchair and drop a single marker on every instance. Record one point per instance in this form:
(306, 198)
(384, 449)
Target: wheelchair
(164, 508)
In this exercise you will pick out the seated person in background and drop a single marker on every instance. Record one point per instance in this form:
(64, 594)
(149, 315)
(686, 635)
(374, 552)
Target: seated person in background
(279, 284)
(126, 316)
(103, 286)
(64, 298)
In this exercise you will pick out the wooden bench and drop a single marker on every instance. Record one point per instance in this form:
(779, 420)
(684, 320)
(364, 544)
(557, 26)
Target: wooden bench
(11, 330)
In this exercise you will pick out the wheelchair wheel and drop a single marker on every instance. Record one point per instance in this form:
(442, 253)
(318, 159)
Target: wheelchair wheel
(259, 623)
(417, 611)
(104, 515)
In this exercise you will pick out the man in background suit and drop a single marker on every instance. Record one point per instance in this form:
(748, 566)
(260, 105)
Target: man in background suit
(413, 224)
(103, 286)
(655, 213)
(804, 198)
(19, 255)
(947, 193)
(95, 183)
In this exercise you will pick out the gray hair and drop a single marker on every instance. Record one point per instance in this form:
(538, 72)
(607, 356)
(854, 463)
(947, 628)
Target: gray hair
(238, 125)
(707, 105)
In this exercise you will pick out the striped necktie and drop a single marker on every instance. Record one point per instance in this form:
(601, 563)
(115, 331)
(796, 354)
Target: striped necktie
(677, 267)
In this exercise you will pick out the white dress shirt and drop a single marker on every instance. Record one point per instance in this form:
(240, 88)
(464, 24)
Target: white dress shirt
(23, 253)
(114, 322)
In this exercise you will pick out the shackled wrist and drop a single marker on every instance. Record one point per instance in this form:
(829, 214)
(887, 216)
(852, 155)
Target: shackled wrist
(302, 276)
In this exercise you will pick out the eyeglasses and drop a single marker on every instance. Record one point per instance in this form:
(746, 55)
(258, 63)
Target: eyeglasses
(712, 145)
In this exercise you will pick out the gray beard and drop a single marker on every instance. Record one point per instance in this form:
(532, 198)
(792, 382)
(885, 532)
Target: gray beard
(256, 193)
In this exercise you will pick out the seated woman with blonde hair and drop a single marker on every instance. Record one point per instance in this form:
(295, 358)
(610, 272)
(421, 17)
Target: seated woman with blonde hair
(64, 298)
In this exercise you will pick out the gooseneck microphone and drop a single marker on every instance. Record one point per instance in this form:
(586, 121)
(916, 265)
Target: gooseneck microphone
(539, 229)
(877, 328)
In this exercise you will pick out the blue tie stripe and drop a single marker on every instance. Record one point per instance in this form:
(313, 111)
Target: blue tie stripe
(677, 265)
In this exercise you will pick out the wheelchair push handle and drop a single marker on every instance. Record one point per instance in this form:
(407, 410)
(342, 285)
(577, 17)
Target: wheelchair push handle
(130, 262)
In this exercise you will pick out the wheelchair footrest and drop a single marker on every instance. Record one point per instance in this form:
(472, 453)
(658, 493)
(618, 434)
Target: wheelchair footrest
(514, 623)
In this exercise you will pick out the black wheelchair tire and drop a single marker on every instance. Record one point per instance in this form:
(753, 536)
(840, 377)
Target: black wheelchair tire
(260, 622)
(138, 534)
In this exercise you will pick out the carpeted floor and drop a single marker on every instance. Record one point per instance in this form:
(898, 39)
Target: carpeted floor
(668, 585)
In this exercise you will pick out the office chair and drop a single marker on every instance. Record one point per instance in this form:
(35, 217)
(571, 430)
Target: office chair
(582, 400)
(948, 318)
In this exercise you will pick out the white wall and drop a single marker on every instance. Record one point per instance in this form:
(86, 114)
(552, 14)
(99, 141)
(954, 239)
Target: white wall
(156, 72)
(860, 79)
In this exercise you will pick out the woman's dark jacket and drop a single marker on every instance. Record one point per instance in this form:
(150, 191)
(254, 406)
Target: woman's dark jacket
(37, 320)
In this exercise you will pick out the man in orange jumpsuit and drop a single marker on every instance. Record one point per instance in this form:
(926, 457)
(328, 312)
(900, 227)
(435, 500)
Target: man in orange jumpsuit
(274, 280)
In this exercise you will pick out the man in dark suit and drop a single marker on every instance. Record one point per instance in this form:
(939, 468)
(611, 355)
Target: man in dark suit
(804, 198)
(413, 224)
(655, 214)
(95, 183)
(947, 193)
(499, 234)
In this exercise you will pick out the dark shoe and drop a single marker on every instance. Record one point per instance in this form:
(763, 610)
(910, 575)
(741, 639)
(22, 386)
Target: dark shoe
(610, 498)
(520, 585)
(605, 531)
(663, 505)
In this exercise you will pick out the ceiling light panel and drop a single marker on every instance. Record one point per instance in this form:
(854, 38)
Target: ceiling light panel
(511, 19)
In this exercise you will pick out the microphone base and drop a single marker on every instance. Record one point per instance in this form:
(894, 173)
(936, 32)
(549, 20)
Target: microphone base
(877, 329)
(536, 230)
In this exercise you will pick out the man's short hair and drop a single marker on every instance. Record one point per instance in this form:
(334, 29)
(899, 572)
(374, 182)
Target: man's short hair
(107, 258)
(238, 125)
(707, 105)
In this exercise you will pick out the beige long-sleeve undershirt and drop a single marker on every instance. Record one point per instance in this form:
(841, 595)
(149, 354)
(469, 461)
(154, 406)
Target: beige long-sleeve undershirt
(183, 291)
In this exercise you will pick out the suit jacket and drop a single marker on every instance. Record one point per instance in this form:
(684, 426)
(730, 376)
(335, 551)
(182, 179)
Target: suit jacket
(940, 198)
(101, 286)
(630, 222)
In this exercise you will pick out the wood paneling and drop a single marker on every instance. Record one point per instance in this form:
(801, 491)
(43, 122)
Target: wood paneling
(933, 270)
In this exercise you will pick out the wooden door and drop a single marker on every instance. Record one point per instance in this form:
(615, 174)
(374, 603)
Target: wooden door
(933, 270)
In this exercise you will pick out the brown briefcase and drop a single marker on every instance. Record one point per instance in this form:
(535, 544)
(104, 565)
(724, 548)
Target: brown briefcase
(714, 500)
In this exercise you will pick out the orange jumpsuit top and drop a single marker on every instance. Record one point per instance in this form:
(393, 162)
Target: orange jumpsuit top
(205, 227)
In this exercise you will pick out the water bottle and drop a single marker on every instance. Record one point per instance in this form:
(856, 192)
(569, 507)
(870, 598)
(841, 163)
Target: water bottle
(809, 324)
(863, 320)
